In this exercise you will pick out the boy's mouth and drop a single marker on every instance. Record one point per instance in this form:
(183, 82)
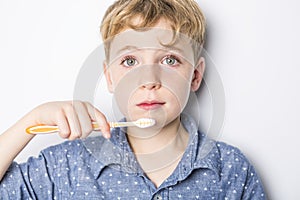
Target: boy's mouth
(150, 105)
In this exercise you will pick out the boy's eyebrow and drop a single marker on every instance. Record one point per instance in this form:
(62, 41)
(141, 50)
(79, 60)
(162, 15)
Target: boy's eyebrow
(173, 48)
(169, 48)
(127, 47)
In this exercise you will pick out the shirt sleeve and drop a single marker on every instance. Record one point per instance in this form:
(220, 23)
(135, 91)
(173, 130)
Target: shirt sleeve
(33, 179)
(239, 175)
(253, 188)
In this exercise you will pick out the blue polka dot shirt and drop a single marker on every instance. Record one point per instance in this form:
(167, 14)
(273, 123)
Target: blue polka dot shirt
(97, 168)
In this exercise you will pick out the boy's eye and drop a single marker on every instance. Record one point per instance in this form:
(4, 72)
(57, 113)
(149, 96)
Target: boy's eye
(129, 62)
(170, 60)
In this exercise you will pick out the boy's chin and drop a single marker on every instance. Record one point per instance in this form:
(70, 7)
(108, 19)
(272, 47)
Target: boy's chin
(144, 133)
(161, 117)
(157, 128)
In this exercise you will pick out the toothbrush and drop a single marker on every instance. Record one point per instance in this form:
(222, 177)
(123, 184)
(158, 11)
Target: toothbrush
(141, 123)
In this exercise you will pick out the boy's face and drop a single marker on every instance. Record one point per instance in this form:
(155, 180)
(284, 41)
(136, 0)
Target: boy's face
(150, 79)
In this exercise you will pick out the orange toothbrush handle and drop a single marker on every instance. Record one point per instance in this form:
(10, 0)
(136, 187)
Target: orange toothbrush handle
(42, 128)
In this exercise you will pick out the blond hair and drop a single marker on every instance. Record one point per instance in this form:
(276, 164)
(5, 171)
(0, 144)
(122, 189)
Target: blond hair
(184, 16)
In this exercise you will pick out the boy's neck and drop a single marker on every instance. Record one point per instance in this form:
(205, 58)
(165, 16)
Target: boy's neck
(172, 136)
(160, 154)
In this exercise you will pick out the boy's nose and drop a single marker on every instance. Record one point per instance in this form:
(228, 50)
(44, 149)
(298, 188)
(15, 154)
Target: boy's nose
(149, 77)
(151, 86)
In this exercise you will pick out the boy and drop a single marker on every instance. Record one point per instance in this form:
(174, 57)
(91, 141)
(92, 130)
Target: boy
(152, 64)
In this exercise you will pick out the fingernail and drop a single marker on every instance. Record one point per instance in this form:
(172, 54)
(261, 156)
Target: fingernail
(107, 135)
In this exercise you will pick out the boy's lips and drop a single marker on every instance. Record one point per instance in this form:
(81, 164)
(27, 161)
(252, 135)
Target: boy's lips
(150, 105)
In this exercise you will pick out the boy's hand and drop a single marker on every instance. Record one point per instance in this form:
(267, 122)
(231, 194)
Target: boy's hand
(73, 118)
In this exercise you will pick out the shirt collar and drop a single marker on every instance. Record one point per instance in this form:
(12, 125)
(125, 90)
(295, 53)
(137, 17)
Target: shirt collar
(115, 153)
(201, 152)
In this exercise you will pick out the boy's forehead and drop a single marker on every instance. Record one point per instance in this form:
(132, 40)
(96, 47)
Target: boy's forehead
(152, 38)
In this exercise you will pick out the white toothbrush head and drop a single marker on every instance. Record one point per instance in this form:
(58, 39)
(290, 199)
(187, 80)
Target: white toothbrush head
(144, 122)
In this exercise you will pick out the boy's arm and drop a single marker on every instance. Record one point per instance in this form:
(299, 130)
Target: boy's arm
(74, 119)
(12, 142)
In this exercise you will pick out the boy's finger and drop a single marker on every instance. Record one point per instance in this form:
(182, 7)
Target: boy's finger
(98, 117)
(73, 121)
(84, 118)
(63, 126)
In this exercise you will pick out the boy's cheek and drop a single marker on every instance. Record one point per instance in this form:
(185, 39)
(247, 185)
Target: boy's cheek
(113, 79)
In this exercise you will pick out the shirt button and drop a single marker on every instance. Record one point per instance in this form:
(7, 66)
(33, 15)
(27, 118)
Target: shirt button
(157, 197)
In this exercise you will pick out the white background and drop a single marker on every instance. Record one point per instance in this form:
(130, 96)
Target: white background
(254, 45)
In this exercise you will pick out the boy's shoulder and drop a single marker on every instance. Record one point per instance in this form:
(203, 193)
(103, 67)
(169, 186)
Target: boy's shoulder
(235, 164)
(222, 157)
(229, 151)
(210, 151)
(76, 147)
(65, 152)
(227, 166)
(64, 147)
(91, 148)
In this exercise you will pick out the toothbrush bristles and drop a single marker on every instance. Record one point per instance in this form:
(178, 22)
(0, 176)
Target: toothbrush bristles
(145, 122)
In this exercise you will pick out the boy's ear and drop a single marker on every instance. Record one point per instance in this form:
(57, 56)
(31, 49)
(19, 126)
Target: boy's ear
(198, 74)
(107, 77)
